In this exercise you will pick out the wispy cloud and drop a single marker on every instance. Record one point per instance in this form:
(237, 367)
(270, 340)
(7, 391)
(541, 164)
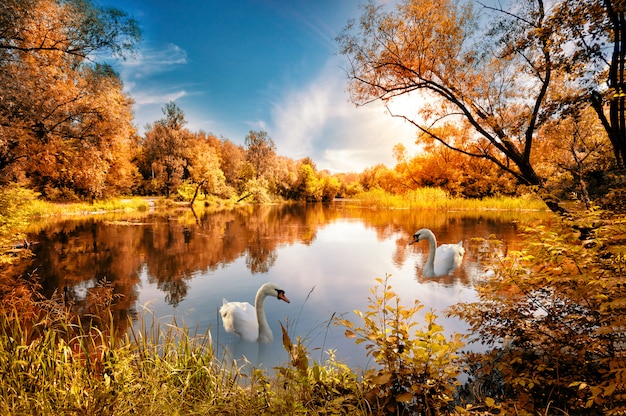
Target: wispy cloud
(145, 69)
(143, 77)
(145, 97)
(153, 60)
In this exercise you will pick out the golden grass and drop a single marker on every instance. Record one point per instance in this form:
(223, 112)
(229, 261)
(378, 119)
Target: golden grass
(54, 364)
(437, 199)
(41, 209)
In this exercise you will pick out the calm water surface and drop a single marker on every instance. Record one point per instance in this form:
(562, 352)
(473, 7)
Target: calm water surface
(181, 264)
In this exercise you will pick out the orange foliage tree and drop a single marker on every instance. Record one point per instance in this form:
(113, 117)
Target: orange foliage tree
(65, 123)
(165, 150)
(494, 83)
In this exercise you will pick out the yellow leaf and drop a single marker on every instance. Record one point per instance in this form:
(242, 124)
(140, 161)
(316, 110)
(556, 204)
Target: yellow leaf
(287, 344)
(345, 322)
(490, 402)
(609, 390)
(404, 397)
(350, 334)
(381, 378)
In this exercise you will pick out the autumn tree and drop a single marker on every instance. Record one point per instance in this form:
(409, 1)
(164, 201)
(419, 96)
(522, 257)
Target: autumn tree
(330, 186)
(203, 166)
(380, 176)
(437, 165)
(232, 159)
(285, 177)
(591, 50)
(616, 81)
(349, 184)
(165, 150)
(308, 187)
(493, 83)
(65, 122)
(580, 153)
(260, 152)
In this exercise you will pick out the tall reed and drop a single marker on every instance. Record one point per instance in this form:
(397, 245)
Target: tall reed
(56, 364)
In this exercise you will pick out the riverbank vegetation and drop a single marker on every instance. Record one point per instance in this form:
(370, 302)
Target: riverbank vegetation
(55, 362)
(438, 199)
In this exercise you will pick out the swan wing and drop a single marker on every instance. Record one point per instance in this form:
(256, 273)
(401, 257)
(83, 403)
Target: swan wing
(448, 258)
(240, 318)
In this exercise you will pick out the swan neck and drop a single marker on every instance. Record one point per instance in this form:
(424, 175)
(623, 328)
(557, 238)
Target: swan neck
(429, 267)
(265, 333)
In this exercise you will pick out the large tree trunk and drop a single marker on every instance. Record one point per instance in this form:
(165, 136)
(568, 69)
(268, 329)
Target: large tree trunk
(617, 109)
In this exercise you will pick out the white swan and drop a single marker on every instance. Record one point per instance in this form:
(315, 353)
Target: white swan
(247, 321)
(441, 260)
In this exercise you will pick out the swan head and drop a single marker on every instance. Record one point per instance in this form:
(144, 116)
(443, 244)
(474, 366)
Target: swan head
(421, 235)
(273, 290)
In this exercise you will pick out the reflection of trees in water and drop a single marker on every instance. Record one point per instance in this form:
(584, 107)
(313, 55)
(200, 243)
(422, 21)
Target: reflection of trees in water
(175, 250)
(74, 259)
(172, 249)
(472, 228)
(259, 259)
(175, 290)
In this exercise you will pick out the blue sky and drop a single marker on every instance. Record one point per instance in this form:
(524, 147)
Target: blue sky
(271, 65)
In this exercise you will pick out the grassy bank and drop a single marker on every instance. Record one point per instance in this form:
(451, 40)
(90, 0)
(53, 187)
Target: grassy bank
(53, 363)
(437, 199)
(52, 367)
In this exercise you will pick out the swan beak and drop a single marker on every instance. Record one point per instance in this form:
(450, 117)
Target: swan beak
(416, 238)
(281, 296)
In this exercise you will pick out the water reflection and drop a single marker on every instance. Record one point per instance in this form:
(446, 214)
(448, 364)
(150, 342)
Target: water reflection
(181, 264)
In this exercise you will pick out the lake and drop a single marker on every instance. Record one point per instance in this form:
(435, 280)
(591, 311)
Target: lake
(180, 264)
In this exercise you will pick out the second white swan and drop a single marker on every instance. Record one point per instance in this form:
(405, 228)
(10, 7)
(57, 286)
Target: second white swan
(441, 260)
(247, 321)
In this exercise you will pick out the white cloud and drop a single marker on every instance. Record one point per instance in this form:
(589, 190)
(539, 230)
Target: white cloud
(315, 119)
(142, 80)
(143, 69)
(157, 97)
(319, 121)
(152, 60)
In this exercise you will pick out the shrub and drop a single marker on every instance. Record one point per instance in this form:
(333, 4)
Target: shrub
(554, 314)
(418, 368)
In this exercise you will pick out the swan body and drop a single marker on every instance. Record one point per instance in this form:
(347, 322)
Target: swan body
(247, 321)
(441, 260)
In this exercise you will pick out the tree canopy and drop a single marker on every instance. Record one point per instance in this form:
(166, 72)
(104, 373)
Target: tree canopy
(65, 121)
(499, 82)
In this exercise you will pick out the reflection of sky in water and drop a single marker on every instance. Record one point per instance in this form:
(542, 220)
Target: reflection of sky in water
(339, 266)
